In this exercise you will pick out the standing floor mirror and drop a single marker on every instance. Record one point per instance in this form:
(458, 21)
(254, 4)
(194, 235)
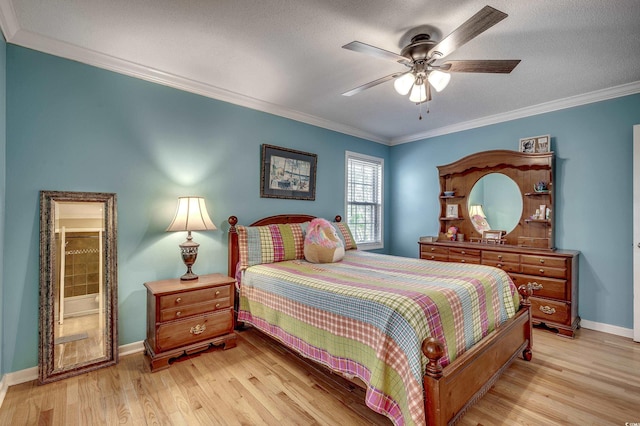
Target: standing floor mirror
(78, 283)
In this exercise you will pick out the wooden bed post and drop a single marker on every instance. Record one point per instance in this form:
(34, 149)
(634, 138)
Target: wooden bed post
(233, 247)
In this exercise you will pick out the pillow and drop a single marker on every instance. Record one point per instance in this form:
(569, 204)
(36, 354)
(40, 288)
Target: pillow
(269, 243)
(345, 235)
(322, 243)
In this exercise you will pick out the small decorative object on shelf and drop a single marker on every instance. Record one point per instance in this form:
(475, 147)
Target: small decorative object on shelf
(541, 187)
(449, 193)
(451, 233)
(452, 210)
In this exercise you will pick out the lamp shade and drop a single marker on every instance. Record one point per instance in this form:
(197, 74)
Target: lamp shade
(191, 215)
(439, 80)
(418, 93)
(476, 210)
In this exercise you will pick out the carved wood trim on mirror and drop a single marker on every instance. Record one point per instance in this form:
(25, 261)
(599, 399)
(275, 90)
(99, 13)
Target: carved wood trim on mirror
(521, 173)
(78, 259)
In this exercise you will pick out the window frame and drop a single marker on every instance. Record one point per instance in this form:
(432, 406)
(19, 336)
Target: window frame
(350, 155)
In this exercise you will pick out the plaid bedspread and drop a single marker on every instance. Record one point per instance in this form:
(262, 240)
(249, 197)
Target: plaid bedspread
(367, 316)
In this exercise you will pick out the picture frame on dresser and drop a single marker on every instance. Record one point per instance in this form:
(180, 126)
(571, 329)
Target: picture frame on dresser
(452, 211)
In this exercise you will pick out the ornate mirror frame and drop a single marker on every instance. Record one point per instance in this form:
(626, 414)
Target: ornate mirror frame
(47, 371)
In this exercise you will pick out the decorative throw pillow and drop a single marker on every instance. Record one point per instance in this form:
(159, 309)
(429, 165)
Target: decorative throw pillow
(270, 243)
(345, 235)
(322, 244)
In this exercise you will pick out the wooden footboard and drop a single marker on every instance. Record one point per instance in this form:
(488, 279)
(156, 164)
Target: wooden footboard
(449, 391)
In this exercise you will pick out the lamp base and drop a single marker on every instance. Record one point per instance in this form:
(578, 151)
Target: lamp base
(189, 250)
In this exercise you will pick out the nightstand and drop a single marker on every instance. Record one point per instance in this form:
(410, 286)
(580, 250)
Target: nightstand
(185, 317)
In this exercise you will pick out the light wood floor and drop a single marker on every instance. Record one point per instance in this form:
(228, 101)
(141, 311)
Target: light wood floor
(591, 380)
(82, 350)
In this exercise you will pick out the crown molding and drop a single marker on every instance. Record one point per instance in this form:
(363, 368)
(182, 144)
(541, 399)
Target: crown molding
(76, 53)
(15, 35)
(570, 102)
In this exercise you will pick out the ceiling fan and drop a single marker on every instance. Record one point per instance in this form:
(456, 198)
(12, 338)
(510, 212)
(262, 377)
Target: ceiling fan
(421, 54)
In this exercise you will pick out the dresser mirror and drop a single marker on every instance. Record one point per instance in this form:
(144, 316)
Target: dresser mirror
(498, 190)
(78, 283)
(495, 203)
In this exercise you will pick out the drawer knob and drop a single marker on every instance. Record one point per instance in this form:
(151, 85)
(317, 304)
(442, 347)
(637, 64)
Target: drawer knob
(217, 292)
(499, 265)
(179, 299)
(217, 305)
(541, 260)
(198, 329)
(541, 270)
(548, 310)
(463, 252)
(462, 260)
(433, 249)
(433, 257)
(500, 256)
(178, 313)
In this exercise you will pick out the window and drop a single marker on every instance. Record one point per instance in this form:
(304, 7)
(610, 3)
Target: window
(364, 176)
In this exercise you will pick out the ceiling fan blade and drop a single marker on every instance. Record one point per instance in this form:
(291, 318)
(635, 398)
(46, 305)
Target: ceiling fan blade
(489, 66)
(486, 18)
(373, 83)
(358, 46)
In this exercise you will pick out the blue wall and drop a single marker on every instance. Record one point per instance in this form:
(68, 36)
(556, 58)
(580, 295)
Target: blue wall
(593, 188)
(73, 127)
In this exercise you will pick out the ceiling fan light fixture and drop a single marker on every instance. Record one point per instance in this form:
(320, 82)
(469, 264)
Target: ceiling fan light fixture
(418, 93)
(404, 83)
(439, 80)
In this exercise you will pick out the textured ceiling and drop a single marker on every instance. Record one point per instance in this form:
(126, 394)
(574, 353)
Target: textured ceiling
(285, 56)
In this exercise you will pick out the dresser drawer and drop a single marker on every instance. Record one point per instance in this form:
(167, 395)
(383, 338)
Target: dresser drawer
(505, 266)
(193, 297)
(543, 287)
(550, 310)
(464, 255)
(496, 256)
(194, 309)
(194, 329)
(544, 271)
(425, 249)
(546, 261)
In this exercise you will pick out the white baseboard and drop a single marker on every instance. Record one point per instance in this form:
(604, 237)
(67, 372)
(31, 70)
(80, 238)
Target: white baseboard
(29, 374)
(607, 328)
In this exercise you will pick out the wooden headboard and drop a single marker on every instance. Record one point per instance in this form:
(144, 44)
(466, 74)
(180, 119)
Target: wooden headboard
(234, 254)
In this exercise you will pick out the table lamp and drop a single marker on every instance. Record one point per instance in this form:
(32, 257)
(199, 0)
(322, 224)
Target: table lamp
(191, 215)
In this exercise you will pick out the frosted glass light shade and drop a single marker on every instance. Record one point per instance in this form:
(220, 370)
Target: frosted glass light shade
(439, 80)
(418, 93)
(403, 84)
(191, 215)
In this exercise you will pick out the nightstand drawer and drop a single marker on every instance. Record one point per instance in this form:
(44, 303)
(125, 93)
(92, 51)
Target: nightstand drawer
(194, 329)
(193, 297)
(188, 310)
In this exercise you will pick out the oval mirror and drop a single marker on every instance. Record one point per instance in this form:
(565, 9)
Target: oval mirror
(495, 203)
(78, 283)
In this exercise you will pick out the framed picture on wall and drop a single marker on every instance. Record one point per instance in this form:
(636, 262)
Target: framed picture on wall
(287, 173)
(536, 144)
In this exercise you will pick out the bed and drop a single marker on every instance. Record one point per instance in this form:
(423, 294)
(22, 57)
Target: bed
(374, 318)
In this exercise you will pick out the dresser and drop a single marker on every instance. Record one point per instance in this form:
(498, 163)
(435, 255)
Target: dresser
(552, 275)
(185, 317)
